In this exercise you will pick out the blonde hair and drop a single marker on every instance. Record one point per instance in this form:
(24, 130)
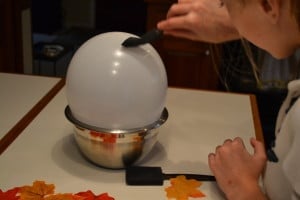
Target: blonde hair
(295, 9)
(254, 61)
(239, 64)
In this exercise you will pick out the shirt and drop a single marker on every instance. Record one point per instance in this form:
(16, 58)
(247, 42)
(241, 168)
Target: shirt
(282, 179)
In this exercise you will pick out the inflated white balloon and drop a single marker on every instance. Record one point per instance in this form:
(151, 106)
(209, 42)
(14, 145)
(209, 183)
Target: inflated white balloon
(114, 87)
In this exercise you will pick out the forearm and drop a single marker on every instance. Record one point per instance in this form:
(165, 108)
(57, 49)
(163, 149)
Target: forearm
(247, 193)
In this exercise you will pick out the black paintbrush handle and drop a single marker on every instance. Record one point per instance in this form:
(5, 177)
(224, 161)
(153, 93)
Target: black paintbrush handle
(146, 38)
(139, 175)
(136, 175)
(198, 177)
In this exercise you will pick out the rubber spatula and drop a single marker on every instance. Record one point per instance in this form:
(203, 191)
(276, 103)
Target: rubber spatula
(138, 175)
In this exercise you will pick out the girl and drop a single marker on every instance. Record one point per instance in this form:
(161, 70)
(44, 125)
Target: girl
(273, 25)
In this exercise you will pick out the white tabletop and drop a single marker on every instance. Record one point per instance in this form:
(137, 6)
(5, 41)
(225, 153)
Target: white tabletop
(19, 94)
(198, 122)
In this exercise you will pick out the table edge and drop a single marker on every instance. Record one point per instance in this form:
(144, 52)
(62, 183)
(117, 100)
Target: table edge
(16, 130)
(256, 118)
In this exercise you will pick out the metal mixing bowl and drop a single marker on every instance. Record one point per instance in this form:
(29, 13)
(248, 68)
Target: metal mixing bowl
(115, 149)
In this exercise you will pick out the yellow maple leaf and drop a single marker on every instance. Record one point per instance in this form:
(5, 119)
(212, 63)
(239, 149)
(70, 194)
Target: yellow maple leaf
(182, 188)
(37, 191)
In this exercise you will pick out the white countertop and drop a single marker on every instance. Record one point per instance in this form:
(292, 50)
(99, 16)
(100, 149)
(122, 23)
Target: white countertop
(198, 122)
(19, 94)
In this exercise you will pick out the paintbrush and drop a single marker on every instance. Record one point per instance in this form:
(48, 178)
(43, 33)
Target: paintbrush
(137, 175)
(146, 38)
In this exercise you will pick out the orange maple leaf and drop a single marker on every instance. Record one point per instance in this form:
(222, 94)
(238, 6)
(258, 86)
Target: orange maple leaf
(66, 196)
(182, 188)
(42, 191)
(37, 191)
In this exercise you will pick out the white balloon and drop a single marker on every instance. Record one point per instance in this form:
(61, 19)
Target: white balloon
(114, 87)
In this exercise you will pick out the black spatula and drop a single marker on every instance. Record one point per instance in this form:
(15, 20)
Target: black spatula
(146, 38)
(136, 175)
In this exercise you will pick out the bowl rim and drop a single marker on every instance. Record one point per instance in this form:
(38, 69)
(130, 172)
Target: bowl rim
(163, 118)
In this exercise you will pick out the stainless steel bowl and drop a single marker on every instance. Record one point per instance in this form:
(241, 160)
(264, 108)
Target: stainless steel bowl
(115, 149)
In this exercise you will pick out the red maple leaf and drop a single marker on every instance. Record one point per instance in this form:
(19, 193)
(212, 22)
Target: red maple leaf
(104, 196)
(89, 195)
(10, 194)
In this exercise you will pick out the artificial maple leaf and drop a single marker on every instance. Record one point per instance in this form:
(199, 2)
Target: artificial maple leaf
(66, 196)
(10, 194)
(89, 195)
(37, 191)
(104, 196)
(42, 191)
(182, 189)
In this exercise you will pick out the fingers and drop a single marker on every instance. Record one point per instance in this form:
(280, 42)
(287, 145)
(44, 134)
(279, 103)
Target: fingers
(180, 21)
(185, 1)
(229, 146)
(228, 141)
(212, 162)
(223, 155)
(238, 140)
(221, 149)
(259, 148)
(179, 9)
(235, 143)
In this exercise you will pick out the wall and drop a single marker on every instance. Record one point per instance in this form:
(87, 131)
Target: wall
(78, 13)
(27, 41)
